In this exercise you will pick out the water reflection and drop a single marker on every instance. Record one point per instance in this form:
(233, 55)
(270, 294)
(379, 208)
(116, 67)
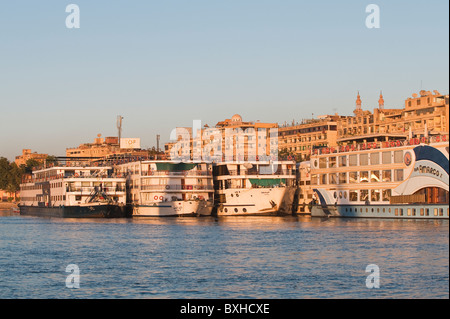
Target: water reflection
(226, 257)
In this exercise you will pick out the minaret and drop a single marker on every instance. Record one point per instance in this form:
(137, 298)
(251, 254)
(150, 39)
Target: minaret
(381, 101)
(358, 104)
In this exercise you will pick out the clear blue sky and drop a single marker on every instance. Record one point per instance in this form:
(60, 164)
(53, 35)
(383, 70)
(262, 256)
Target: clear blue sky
(162, 64)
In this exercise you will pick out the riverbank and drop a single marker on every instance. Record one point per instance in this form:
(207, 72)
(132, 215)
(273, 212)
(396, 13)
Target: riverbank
(7, 205)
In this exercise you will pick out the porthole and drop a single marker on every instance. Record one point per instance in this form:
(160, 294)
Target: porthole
(235, 210)
(226, 210)
(244, 210)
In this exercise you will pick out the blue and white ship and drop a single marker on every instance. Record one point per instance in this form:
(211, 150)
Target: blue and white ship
(393, 179)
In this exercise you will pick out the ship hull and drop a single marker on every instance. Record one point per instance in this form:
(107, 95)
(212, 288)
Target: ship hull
(91, 211)
(405, 211)
(257, 202)
(174, 209)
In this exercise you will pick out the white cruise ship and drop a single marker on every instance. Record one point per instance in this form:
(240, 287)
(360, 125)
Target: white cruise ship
(393, 179)
(254, 188)
(73, 192)
(167, 188)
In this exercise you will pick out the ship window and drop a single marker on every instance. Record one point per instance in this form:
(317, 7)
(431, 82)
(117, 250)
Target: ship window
(353, 177)
(386, 157)
(375, 158)
(414, 212)
(77, 197)
(332, 162)
(375, 195)
(353, 160)
(398, 157)
(364, 177)
(364, 195)
(375, 176)
(323, 179)
(342, 161)
(396, 212)
(386, 195)
(398, 175)
(421, 212)
(409, 211)
(386, 175)
(427, 212)
(323, 162)
(441, 212)
(353, 196)
(342, 178)
(333, 178)
(363, 159)
(401, 211)
(314, 179)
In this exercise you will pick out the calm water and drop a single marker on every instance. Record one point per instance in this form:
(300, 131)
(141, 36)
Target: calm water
(241, 257)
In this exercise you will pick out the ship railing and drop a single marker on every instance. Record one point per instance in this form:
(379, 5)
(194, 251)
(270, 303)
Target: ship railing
(257, 172)
(175, 187)
(177, 173)
(380, 145)
(90, 189)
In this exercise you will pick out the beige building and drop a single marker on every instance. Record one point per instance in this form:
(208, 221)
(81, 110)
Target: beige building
(423, 115)
(27, 154)
(301, 138)
(236, 140)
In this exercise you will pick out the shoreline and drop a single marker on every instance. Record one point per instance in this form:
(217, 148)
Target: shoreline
(7, 205)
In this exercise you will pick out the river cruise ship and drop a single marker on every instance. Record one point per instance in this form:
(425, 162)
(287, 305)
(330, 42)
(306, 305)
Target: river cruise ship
(254, 188)
(74, 192)
(166, 188)
(394, 179)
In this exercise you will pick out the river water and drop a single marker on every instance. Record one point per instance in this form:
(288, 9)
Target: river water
(232, 257)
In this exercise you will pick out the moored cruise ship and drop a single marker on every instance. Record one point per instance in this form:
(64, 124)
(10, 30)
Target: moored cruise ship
(254, 188)
(392, 179)
(165, 188)
(74, 192)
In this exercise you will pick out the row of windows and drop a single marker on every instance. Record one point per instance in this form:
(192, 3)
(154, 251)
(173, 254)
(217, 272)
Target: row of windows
(402, 211)
(386, 176)
(387, 157)
(364, 195)
(52, 198)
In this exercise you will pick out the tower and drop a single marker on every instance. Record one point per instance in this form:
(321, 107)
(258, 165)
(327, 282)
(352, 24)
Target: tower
(119, 126)
(358, 102)
(381, 101)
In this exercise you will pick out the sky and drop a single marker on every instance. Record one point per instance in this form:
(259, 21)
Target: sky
(164, 64)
